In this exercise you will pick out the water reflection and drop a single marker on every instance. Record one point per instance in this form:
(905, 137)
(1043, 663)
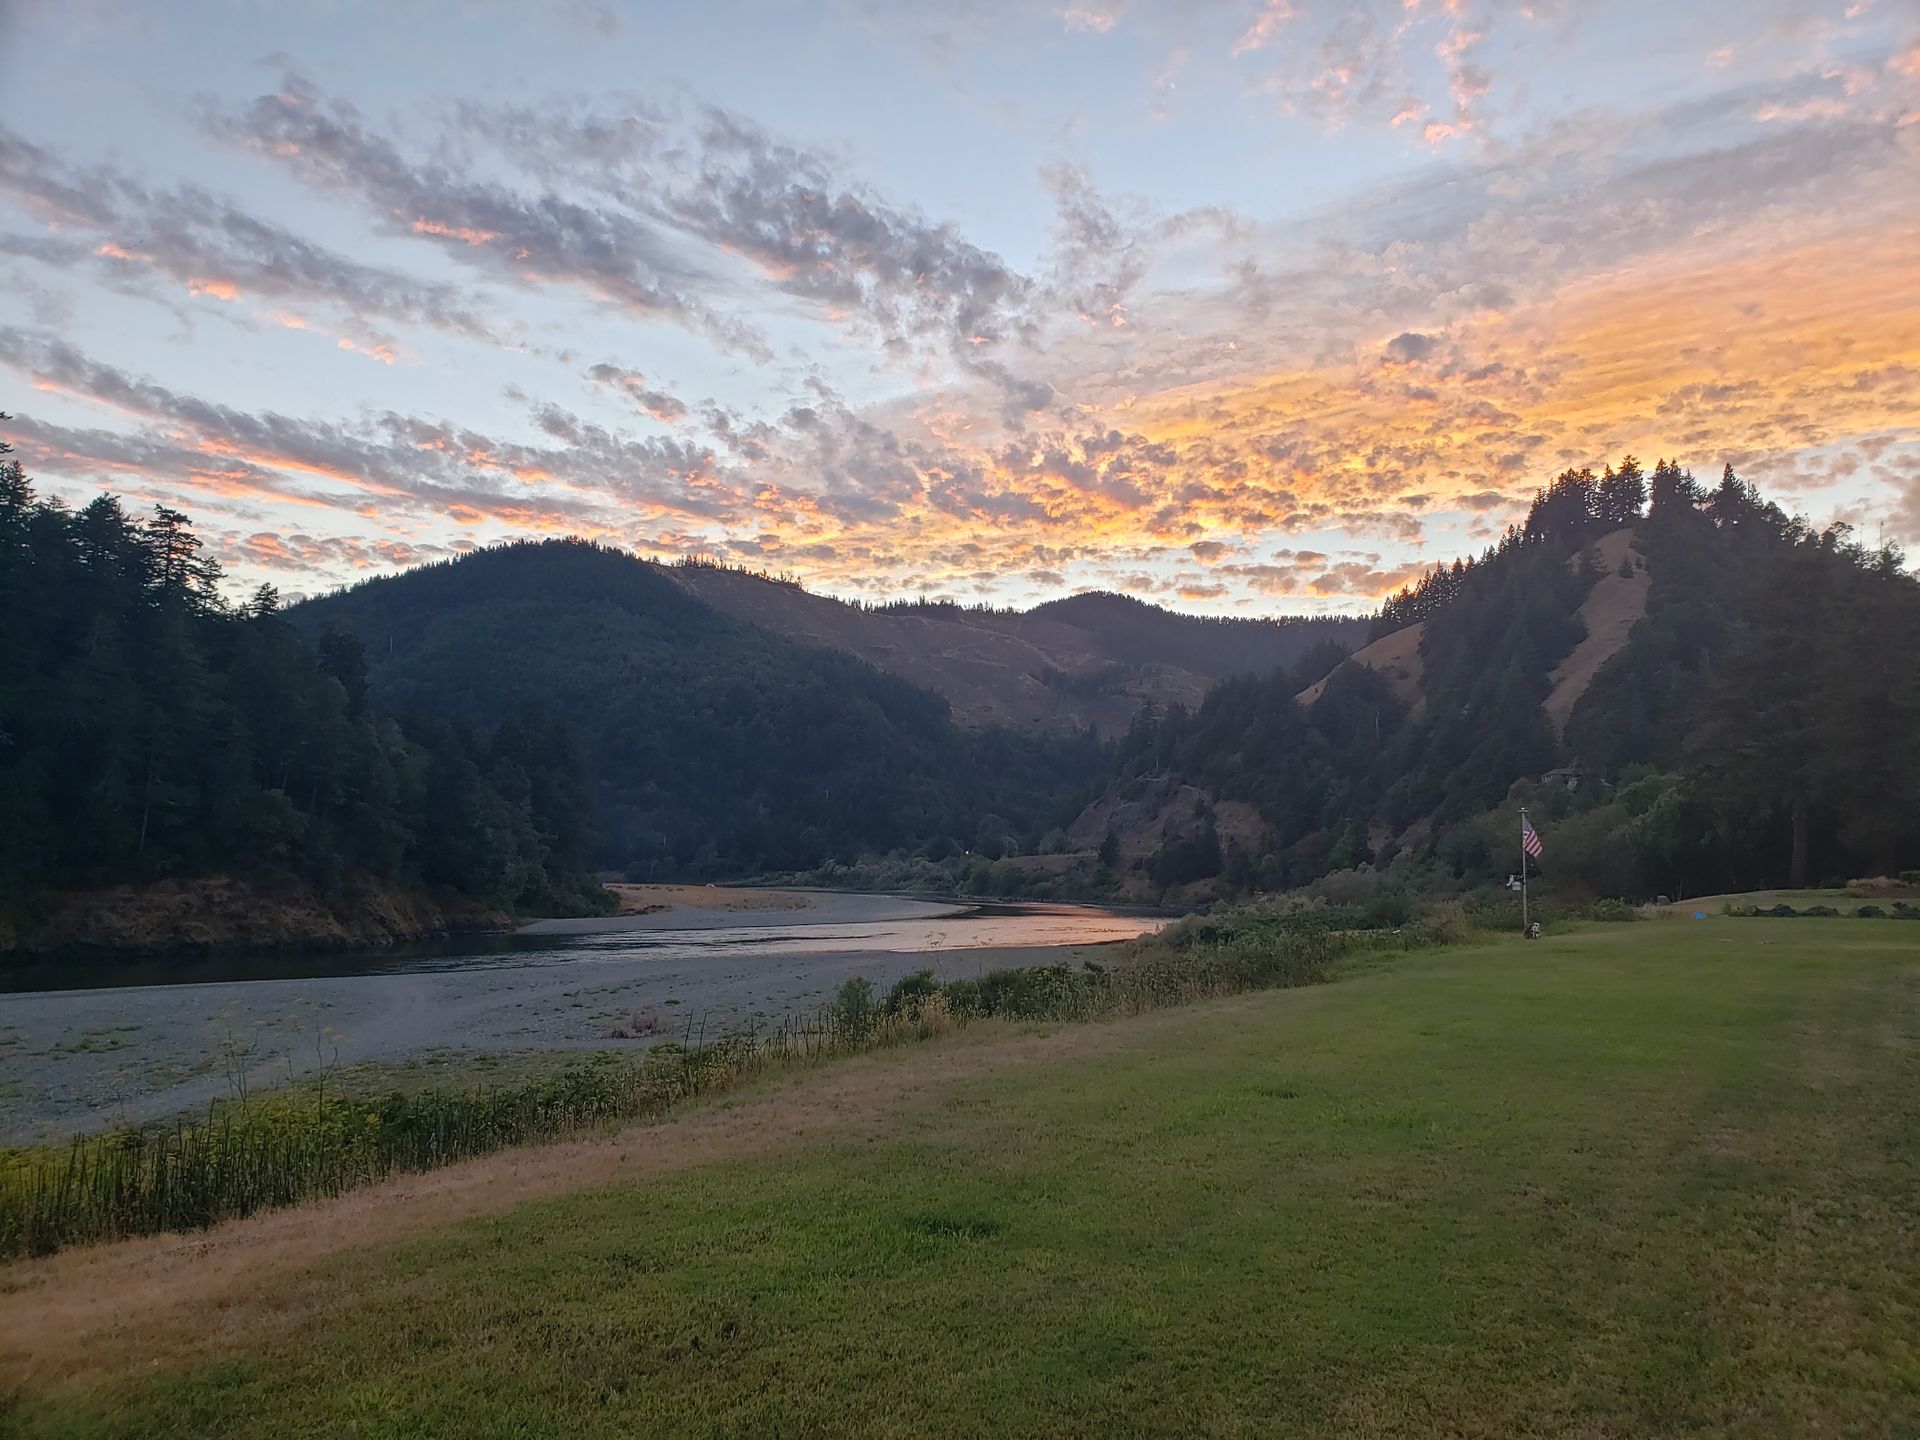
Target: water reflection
(984, 926)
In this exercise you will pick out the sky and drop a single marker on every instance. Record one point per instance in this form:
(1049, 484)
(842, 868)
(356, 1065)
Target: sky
(1242, 306)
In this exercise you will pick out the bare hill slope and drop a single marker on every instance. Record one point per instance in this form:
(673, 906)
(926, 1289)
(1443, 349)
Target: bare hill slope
(1396, 656)
(1611, 610)
(1088, 659)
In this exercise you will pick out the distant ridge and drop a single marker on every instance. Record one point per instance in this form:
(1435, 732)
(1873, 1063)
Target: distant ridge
(713, 746)
(1088, 659)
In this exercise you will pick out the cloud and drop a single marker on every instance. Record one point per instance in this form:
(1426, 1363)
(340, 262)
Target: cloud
(819, 238)
(651, 213)
(1110, 391)
(403, 467)
(205, 245)
(631, 383)
(534, 237)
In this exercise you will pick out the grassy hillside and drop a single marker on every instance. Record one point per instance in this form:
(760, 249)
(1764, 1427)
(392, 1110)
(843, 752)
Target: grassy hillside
(1090, 659)
(1640, 1179)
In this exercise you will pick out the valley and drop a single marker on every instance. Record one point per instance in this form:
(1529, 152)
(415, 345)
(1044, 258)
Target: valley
(1094, 721)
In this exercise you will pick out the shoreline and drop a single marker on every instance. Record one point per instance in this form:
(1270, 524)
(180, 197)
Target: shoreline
(81, 1059)
(237, 918)
(216, 915)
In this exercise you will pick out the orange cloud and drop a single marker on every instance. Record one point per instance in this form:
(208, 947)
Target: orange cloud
(476, 238)
(377, 350)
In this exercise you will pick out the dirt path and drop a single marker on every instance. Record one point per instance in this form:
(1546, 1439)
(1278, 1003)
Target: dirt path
(83, 1317)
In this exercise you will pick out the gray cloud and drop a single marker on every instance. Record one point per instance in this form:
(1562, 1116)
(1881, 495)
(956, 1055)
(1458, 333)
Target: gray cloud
(669, 204)
(202, 241)
(782, 207)
(409, 465)
(528, 238)
(1410, 348)
(631, 383)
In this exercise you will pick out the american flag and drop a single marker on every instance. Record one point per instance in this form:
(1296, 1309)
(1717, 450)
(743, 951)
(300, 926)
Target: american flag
(1529, 838)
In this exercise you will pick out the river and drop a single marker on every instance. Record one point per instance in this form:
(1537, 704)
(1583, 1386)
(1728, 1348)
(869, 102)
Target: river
(82, 1048)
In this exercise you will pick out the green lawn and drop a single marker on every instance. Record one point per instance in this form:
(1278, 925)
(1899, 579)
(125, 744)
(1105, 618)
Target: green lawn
(1842, 900)
(1637, 1180)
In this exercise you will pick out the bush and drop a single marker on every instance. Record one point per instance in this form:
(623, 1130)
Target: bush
(1870, 912)
(1612, 910)
(853, 1009)
(911, 992)
(1183, 859)
(1442, 924)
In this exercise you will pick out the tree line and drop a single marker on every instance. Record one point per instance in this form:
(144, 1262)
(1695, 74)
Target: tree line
(1760, 727)
(150, 729)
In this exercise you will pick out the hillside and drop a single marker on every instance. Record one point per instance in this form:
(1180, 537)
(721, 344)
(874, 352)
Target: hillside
(177, 770)
(1091, 659)
(712, 746)
(1615, 604)
(1612, 608)
(1700, 695)
(1395, 656)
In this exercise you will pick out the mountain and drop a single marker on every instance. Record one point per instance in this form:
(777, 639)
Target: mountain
(1699, 695)
(1091, 659)
(712, 746)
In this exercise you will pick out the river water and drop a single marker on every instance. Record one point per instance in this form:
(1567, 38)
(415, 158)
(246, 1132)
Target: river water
(83, 1048)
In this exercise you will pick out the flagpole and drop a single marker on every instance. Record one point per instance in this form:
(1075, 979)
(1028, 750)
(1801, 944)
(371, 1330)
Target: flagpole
(1523, 871)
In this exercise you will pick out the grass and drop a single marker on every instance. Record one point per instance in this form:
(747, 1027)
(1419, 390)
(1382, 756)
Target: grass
(1637, 1180)
(1845, 901)
(308, 1142)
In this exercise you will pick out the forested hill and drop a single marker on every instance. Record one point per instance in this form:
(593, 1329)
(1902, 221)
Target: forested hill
(153, 733)
(1091, 659)
(712, 747)
(1759, 724)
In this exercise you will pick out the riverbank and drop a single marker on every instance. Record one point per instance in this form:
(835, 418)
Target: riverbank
(1636, 1179)
(86, 1059)
(216, 913)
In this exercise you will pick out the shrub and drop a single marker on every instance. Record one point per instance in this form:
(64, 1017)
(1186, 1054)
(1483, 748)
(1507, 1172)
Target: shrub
(1612, 910)
(910, 992)
(1182, 859)
(853, 1010)
(1442, 924)
(1870, 912)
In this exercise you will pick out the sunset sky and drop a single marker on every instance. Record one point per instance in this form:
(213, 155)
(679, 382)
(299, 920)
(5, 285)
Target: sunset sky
(1244, 306)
